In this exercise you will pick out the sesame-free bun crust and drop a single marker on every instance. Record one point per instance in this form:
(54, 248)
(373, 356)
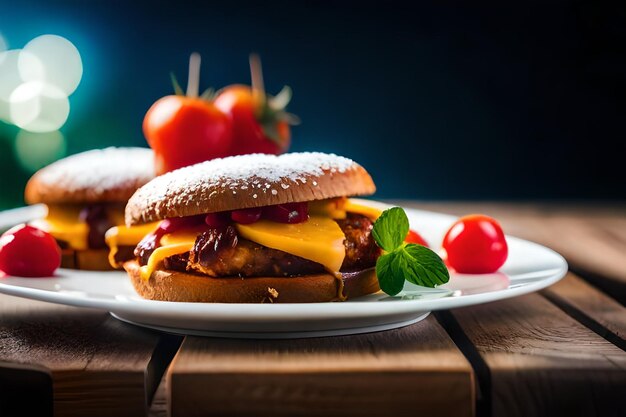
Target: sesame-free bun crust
(247, 181)
(166, 285)
(96, 176)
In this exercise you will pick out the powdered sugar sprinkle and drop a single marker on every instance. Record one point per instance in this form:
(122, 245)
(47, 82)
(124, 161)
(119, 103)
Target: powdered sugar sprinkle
(100, 170)
(243, 174)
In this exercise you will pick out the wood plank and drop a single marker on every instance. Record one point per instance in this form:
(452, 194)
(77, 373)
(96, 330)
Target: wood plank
(160, 401)
(540, 360)
(19, 386)
(96, 365)
(591, 307)
(591, 237)
(410, 371)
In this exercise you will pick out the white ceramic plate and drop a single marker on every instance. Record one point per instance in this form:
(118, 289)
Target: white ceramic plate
(530, 267)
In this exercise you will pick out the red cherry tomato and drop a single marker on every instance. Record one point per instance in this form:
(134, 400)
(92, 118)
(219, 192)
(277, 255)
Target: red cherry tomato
(28, 252)
(249, 134)
(184, 131)
(475, 244)
(414, 237)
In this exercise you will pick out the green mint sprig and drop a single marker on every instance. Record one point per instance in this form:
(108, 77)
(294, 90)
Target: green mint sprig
(402, 261)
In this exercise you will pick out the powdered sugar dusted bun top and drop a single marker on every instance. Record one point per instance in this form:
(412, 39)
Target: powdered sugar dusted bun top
(246, 181)
(100, 175)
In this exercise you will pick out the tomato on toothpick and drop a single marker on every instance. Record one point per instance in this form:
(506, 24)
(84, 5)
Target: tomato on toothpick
(187, 129)
(260, 122)
(26, 251)
(475, 244)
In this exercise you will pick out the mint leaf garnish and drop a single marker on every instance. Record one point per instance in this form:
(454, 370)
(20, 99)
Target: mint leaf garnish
(389, 281)
(425, 267)
(391, 229)
(411, 262)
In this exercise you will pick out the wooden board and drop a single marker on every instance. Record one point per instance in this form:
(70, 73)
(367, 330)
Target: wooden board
(557, 352)
(590, 306)
(160, 401)
(412, 371)
(592, 238)
(24, 391)
(90, 363)
(540, 361)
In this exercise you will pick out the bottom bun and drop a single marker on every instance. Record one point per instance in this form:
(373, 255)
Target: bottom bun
(87, 259)
(165, 285)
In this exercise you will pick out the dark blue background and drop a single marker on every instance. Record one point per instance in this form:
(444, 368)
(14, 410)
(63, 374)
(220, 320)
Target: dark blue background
(497, 101)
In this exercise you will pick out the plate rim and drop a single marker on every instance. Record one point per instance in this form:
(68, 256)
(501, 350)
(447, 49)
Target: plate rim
(274, 311)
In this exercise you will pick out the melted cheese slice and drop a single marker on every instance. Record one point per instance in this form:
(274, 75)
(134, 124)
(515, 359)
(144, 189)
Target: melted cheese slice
(336, 208)
(63, 223)
(126, 236)
(367, 211)
(183, 236)
(333, 208)
(172, 244)
(157, 257)
(320, 239)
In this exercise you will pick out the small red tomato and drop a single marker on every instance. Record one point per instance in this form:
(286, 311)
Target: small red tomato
(28, 252)
(414, 237)
(184, 131)
(475, 244)
(257, 127)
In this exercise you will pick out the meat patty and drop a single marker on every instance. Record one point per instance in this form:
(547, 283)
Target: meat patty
(361, 249)
(123, 254)
(221, 253)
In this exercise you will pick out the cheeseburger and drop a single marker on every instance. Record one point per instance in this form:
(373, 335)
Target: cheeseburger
(85, 195)
(256, 228)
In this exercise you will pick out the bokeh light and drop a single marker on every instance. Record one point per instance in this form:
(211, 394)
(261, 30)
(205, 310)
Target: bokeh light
(3, 43)
(9, 80)
(39, 107)
(54, 60)
(36, 150)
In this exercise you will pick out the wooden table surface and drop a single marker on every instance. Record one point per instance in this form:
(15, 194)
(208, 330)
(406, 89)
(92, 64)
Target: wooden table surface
(557, 352)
